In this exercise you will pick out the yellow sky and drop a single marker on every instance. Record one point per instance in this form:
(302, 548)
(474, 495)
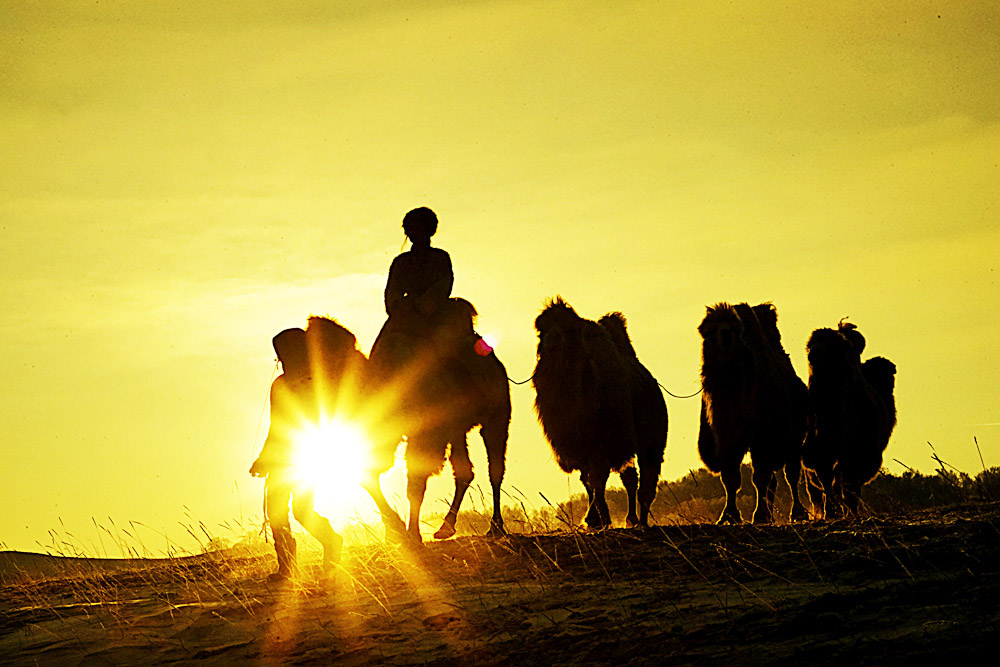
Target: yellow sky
(178, 183)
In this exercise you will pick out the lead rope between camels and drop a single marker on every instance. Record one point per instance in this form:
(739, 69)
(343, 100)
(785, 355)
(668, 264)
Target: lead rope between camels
(512, 381)
(676, 396)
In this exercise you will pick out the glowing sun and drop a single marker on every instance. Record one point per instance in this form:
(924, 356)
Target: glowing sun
(333, 458)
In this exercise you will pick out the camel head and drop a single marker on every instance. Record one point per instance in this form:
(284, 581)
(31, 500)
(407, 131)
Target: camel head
(722, 333)
(558, 326)
(290, 346)
(330, 345)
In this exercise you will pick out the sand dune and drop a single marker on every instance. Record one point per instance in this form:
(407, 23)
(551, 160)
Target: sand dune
(882, 591)
(17, 566)
(20, 566)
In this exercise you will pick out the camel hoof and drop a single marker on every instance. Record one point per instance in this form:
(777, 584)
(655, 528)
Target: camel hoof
(395, 531)
(331, 553)
(632, 521)
(279, 577)
(729, 519)
(445, 531)
(392, 537)
(496, 530)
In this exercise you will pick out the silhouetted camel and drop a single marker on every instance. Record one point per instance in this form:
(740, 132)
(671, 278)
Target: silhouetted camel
(881, 375)
(853, 416)
(752, 401)
(785, 403)
(600, 409)
(341, 373)
(434, 393)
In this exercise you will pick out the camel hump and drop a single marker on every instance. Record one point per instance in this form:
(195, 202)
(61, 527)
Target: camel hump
(767, 317)
(463, 308)
(880, 374)
(331, 337)
(457, 319)
(753, 332)
(617, 327)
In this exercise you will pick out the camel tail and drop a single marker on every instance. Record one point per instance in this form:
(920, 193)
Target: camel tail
(707, 449)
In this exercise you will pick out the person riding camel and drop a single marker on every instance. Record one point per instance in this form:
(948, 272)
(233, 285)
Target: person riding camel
(420, 279)
(418, 298)
(295, 404)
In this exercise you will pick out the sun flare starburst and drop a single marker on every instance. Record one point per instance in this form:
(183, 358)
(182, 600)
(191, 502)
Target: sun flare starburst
(333, 458)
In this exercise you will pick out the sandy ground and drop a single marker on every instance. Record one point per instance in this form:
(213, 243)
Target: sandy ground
(880, 591)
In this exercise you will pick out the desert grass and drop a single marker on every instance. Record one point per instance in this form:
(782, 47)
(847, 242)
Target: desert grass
(895, 584)
(675, 593)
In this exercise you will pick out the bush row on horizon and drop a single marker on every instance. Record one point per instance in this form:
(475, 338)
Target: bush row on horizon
(698, 497)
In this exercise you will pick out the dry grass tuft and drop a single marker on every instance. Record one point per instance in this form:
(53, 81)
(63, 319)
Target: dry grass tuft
(879, 589)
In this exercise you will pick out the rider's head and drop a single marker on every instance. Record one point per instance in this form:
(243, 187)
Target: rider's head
(420, 224)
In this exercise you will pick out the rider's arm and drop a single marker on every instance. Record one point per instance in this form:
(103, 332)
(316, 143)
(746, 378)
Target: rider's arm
(393, 288)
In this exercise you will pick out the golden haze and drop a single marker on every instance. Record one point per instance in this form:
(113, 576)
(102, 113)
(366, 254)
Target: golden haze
(212, 175)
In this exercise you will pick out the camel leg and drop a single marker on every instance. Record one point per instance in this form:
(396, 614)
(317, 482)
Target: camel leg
(416, 486)
(793, 470)
(630, 480)
(303, 508)
(833, 485)
(815, 460)
(395, 529)
(852, 496)
(814, 485)
(764, 483)
(731, 482)
(461, 466)
(593, 517)
(599, 482)
(649, 477)
(495, 439)
(772, 488)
